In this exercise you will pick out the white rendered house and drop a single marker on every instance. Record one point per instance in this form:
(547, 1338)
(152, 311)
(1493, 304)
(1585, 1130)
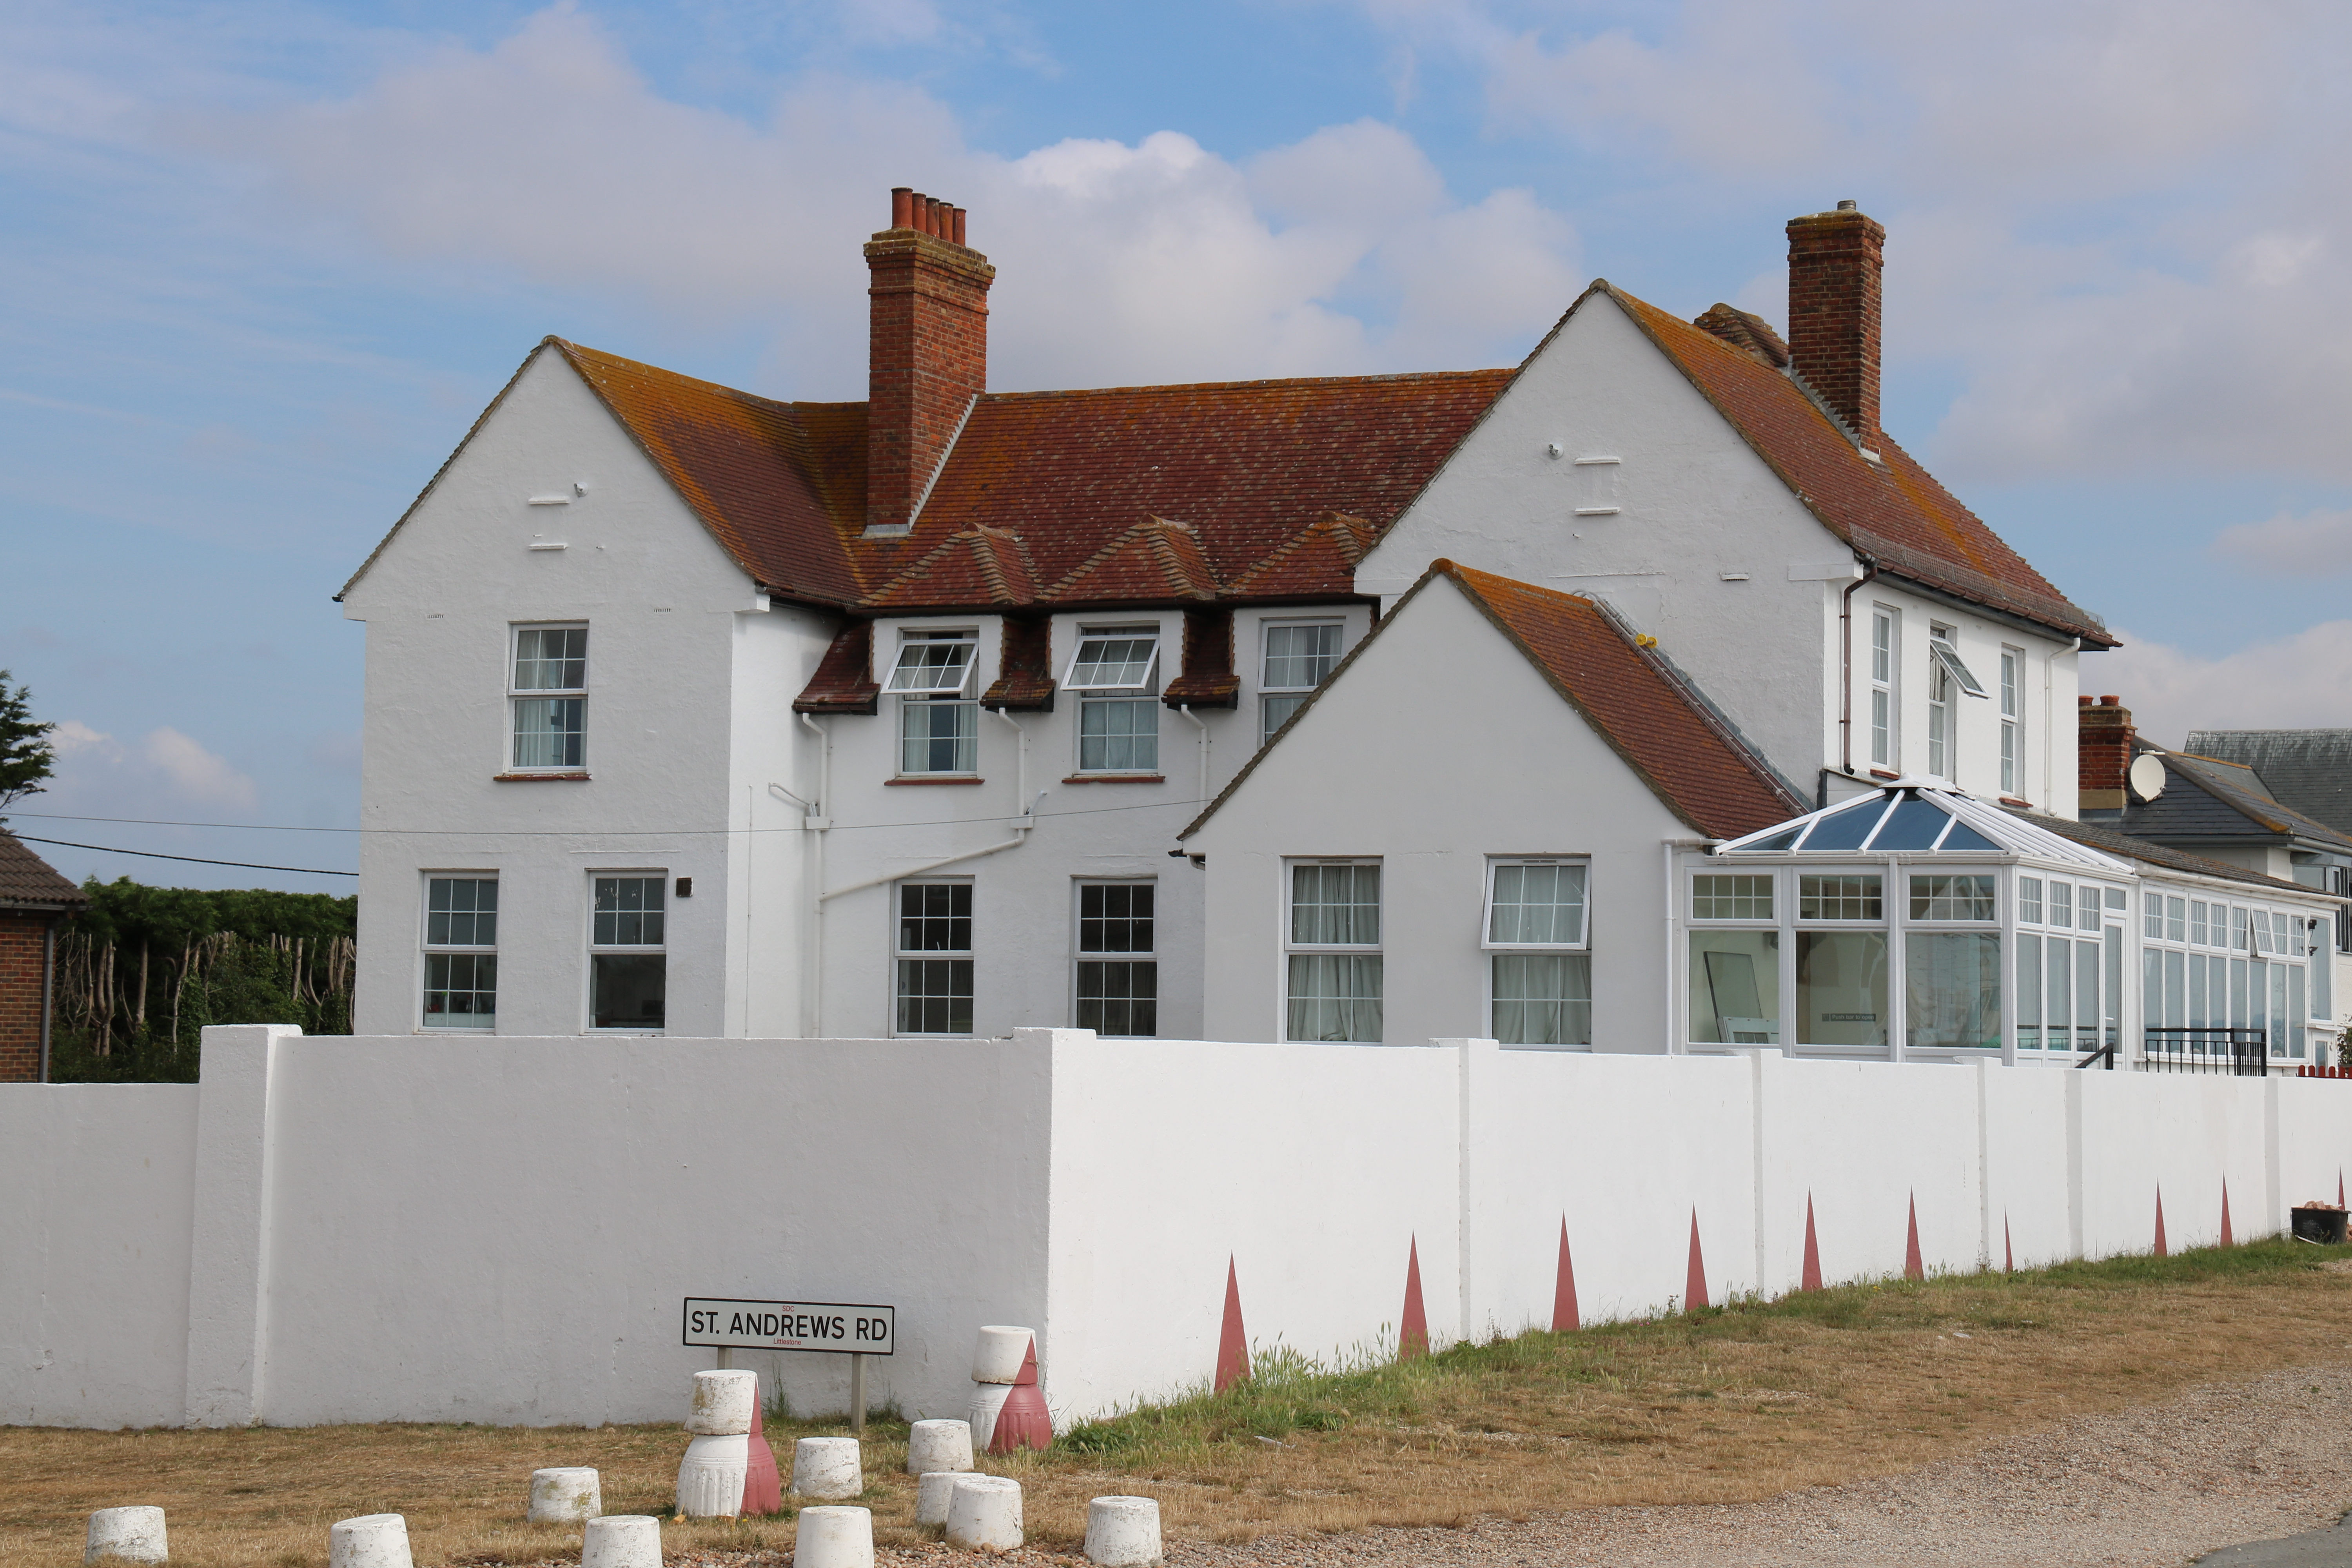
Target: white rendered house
(693, 711)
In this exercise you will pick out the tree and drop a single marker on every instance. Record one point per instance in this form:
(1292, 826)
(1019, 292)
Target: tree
(26, 755)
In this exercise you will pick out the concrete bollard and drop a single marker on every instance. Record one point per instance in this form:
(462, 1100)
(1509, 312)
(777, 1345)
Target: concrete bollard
(569, 1495)
(711, 1476)
(723, 1404)
(987, 1400)
(931, 1494)
(135, 1535)
(833, 1538)
(1002, 1349)
(371, 1541)
(828, 1468)
(1122, 1532)
(622, 1541)
(939, 1445)
(984, 1513)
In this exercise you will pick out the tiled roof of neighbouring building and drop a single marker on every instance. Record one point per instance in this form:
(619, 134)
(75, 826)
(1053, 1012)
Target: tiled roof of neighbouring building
(26, 879)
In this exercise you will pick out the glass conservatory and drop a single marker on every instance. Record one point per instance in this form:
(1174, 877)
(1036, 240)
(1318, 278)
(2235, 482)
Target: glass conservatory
(1916, 923)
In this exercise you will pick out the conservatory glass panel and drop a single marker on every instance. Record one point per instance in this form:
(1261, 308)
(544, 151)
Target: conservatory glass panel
(1735, 987)
(1840, 988)
(2029, 993)
(1952, 995)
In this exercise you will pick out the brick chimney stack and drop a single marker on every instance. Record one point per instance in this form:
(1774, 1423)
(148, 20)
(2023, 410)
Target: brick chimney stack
(928, 354)
(2103, 754)
(1834, 260)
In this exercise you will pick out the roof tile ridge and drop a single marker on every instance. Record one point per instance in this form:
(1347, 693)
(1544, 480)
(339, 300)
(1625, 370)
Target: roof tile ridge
(996, 544)
(1185, 577)
(1343, 524)
(1106, 551)
(1295, 381)
(578, 353)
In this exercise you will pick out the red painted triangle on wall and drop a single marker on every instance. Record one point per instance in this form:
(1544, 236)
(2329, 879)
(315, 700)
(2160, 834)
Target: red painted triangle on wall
(1564, 1319)
(1914, 1268)
(1413, 1328)
(1232, 1343)
(1695, 1281)
(1811, 1280)
(2227, 1239)
(2159, 1220)
(2009, 1252)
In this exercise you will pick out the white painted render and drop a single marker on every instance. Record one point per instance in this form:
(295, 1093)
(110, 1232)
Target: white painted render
(1439, 747)
(502, 1230)
(1709, 553)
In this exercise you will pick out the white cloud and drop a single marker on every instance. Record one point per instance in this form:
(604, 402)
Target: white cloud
(164, 774)
(548, 156)
(2298, 682)
(2313, 543)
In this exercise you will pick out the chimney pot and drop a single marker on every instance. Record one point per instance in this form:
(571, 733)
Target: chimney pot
(957, 222)
(1846, 206)
(902, 207)
(2111, 701)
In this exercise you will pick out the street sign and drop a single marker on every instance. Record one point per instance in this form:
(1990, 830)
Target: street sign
(835, 1326)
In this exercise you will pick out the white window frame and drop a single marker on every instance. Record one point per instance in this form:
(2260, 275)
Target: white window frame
(2012, 715)
(1095, 693)
(1080, 955)
(517, 695)
(914, 693)
(595, 950)
(1886, 686)
(428, 950)
(1940, 714)
(1375, 950)
(1778, 920)
(966, 954)
(1581, 946)
(1269, 694)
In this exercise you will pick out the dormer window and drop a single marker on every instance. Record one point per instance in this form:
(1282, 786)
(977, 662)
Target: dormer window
(1115, 672)
(939, 722)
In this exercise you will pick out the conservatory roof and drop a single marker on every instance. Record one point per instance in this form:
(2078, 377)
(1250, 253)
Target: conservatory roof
(1918, 818)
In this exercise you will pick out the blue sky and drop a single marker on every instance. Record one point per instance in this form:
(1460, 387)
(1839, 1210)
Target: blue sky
(269, 259)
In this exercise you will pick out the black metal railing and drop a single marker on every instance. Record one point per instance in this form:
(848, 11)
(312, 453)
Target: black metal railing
(2237, 1052)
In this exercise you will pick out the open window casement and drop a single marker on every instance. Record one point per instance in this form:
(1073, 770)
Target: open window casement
(1113, 661)
(1950, 657)
(935, 665)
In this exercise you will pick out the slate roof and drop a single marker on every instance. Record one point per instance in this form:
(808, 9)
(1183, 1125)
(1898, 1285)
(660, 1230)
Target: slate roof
(1672, 737)
(2130, 847)
(28, 882)
(2309, 770)
(2205, 798)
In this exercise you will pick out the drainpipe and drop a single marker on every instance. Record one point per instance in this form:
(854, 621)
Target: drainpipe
(2049, 718)
(819, 819)
(48, 989)
(1845, 667)
(1199, 724)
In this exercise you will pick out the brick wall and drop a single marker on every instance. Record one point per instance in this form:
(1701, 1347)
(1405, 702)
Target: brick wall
(1834, 262)
(928, 359)
(2103, 753)
(20, 995)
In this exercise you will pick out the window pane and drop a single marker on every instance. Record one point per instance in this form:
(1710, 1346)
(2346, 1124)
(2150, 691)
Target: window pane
(1538, 906)
(2061, 904)
(1335, 996)
(461, 912)
(1119, 997)
(1952, 990)
(1735, 987)
(2197, 921)
(2029, 993)
(1715, 897)
(2175, 921)
(461, 990)
(935, 917)
(550, 732)
(1335, 905)
(1115, 917)
(1113, 663)
(2060, 954)
(2029, 901)
(934, 997)
(940, 665)
(1274, 712)
(2175, 994)
(626, 989)
(1914, 824)
(1118, 737)
(2086, 995)
(551, 659)
(1840, 988)
(628, 912)
(1940, 898)
(1839, 898)
(1543, 999)
(938, 737)
(1299, 657)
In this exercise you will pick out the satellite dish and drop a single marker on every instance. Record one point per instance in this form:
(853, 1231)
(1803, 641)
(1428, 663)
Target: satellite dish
(2146, 776)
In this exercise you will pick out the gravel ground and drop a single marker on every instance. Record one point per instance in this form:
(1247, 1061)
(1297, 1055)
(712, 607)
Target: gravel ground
(2152, 1488)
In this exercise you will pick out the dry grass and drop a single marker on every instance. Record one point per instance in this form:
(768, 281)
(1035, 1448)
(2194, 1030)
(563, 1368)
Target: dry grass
(1717, 1407)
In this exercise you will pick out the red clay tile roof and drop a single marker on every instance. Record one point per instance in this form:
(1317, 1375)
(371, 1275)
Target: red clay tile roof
(28, 880)
(977, 566)
(1893, 511)
(1662, 727)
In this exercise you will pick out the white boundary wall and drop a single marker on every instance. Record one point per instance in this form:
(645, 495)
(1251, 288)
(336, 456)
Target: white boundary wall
(396, 1229)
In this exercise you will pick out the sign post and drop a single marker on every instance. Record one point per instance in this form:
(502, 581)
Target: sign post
(831, 1327)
